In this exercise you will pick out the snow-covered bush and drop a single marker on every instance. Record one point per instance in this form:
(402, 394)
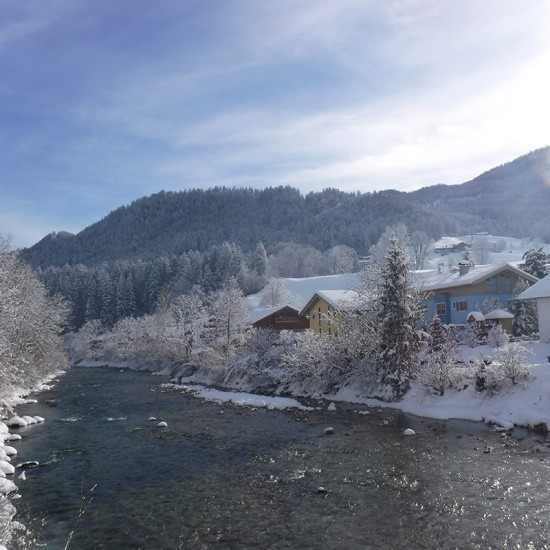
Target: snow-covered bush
(510, 362)
(311, 353)
(497, 337)
(508, 367)
(473, 334)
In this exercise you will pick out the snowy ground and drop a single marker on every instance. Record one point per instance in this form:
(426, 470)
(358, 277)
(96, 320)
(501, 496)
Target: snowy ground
(525, 404)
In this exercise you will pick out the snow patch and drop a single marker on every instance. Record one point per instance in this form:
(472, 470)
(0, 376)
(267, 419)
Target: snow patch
(241, 398)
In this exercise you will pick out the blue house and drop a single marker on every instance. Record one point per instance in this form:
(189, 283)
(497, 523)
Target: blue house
(452, 296)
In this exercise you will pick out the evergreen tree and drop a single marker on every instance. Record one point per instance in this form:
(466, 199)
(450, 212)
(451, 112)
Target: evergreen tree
(535, 261)
(439, 334)
(525, 320)
(125, 297)
(259, 260)
(399, 313)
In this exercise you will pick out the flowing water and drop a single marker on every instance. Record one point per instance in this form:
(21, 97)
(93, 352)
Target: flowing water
(225, 477)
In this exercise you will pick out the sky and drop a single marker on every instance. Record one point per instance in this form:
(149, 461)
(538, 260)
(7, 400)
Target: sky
(103, 102)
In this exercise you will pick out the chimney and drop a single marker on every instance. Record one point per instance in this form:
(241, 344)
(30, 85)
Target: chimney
(463, 268)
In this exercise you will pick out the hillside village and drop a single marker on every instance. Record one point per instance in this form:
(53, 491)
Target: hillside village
(456, 291)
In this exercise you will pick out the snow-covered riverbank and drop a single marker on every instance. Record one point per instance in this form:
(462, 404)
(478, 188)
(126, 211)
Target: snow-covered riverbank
(526, 403)
(10, 529)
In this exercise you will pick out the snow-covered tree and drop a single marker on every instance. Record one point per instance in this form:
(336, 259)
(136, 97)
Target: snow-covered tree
(481, 247)
(497, 337)
(535, 261)
(275, 294)
(398, 231)
(419, 245)
(439, 361)
(525, 321)
(260, 262)
(30, 324)
(228, 314)
(473, 334)
(490, 304)
(341, 259)
(399, 311)
(190, 318)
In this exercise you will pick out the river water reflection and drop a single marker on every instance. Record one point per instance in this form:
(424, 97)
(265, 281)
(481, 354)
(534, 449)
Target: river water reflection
(228, 477)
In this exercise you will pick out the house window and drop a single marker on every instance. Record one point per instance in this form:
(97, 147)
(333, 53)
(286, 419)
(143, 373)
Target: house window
(460, 305)
(505, 284)
(441, 308)
(491, 285)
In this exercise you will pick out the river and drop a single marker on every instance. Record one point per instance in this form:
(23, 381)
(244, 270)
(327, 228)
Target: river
(226, 477)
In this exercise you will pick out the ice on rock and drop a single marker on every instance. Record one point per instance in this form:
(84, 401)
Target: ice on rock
(17, 422)
(6, 467)
(10, 451)
(408, 431)
(162, 424)
(7, 486)
(331, 407)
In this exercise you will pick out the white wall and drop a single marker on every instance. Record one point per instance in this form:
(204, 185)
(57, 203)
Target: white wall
(543, 307)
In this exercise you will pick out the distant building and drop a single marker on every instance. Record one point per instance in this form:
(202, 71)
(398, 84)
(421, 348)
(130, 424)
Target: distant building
(450, 245)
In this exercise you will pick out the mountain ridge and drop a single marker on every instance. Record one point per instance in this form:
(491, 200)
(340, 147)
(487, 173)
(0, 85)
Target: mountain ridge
(172, 222)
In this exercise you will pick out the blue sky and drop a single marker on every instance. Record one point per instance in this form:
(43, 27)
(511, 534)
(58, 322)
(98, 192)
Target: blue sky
(103, 102)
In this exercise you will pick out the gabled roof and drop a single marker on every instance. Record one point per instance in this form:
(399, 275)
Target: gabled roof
(259, 314)
(476, 316)
(538, 290)
(498, 314)
(433, 281)
(338, 299)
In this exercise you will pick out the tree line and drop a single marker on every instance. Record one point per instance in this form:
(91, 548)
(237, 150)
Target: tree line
(112, 291)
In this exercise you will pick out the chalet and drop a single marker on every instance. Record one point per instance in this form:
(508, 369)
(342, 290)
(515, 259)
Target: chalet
(322, 309)
(454, 295)
(278, 318)
(540, 292)
(450, 245)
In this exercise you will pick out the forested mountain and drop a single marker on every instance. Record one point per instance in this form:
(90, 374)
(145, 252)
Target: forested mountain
(512, 199)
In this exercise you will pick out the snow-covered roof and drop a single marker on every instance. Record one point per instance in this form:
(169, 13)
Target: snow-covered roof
(302, 289)
(541, 289)
(257, 314)
(338, 299)
(498, 314)
(448, 242)
(476, 315)
(432, 280)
